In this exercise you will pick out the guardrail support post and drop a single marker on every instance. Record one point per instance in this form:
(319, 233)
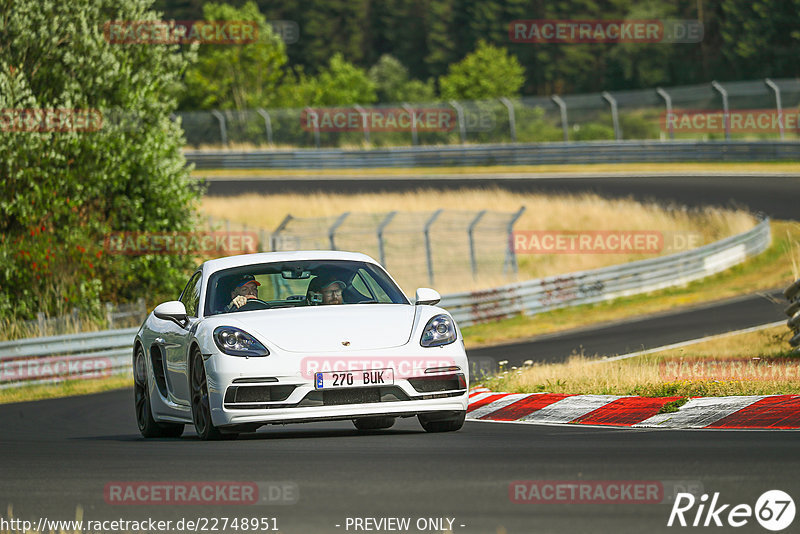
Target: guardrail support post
(384, 223)
(562, 106)
(511, 255)
(223, 130)
(336, 224)
(512, 123)
(281, 227)
(462, 127)
(669, 119)
(310, 111)
(267, 125)
(726, 116)
(364, 125)
(428, 254)
(414, 136)
(614, 114)
(472, 259)
(777, 90)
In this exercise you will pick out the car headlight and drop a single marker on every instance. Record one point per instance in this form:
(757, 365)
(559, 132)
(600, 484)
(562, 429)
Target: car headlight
(440, 330)
(237, 342)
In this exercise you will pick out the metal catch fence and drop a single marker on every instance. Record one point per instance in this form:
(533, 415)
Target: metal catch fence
(609, 116)
(446, 248)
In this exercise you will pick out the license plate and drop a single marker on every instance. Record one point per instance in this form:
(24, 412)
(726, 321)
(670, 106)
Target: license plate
(353, 379)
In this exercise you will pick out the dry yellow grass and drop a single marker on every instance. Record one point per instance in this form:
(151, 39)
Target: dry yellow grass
(496, 170)
(584, 212)
(755, 363)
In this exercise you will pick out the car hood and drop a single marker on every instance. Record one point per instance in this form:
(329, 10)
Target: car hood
(332, 328)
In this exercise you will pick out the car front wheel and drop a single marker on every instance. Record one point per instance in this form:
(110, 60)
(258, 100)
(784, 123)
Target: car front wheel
(201, 408)
(442, 421)
(373, 423)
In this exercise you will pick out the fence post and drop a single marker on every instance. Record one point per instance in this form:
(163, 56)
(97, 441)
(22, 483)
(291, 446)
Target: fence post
(414, 136)
(614, 114)
(110, 315)
(364, 125)
(772, 85)
(385, 222)
(223, 131)
(511, 255)
(725, 110)
(428, 254)
(336, 224)
(76, 319)
(267, 124)
(316, 125)
(562, 106)
(41, 324)
(473, 261)
(512, 123)
(462, 127)
(281, 227)
(669, 118)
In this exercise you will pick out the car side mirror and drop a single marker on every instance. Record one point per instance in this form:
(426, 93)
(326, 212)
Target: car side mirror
(173, 310)
(426, 295)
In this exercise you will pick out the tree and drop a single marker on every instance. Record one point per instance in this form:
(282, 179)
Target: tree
(241, 76)
(62, 191)
(392, 84)
(488, 72)
(340, 83)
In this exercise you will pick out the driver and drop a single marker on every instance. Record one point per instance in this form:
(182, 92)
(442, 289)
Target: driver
(245, 288)
(325, 290)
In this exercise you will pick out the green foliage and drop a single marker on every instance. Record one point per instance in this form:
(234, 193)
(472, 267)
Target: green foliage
(393, 85)
(244, 76)
(339, 84)
(487, 72)
(61, 192)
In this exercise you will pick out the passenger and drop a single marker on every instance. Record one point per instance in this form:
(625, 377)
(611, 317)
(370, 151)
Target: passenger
(325, 290)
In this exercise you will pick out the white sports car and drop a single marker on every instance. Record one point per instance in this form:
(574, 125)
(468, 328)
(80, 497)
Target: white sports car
(291, 337)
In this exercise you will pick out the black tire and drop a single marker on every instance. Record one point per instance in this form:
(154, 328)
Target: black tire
(141, 399)
(373, 423)
(447, 422)
(201, 409)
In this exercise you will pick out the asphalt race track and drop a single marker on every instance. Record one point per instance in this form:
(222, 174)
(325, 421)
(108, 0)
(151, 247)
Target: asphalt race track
(773, 195)
(639, 334)
(58, 454)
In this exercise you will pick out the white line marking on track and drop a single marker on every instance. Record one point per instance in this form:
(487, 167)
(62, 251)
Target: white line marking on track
(689, 342)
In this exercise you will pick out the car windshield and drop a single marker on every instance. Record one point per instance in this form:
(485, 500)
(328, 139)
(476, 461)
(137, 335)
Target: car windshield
(299, 284)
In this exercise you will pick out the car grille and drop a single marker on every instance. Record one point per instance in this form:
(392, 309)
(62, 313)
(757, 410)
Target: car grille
(428, 384)
(251, 394)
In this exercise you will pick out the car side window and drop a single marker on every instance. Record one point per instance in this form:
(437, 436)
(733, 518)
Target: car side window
(191, 295)
(375, 289)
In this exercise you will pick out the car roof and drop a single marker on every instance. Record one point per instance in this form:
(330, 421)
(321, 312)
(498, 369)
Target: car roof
(241, 260)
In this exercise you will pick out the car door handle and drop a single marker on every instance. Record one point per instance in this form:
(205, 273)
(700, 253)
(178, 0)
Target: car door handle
(163, 342)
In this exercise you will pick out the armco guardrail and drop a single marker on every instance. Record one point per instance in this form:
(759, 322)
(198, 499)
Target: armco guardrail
(50, 359)
(792, 294)
(53, 359)
(534, 296)
(498, 154)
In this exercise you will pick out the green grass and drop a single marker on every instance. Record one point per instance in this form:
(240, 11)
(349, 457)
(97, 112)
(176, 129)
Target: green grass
(68, 388)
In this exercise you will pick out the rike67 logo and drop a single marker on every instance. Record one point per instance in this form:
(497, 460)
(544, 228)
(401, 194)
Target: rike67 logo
(774, 510)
